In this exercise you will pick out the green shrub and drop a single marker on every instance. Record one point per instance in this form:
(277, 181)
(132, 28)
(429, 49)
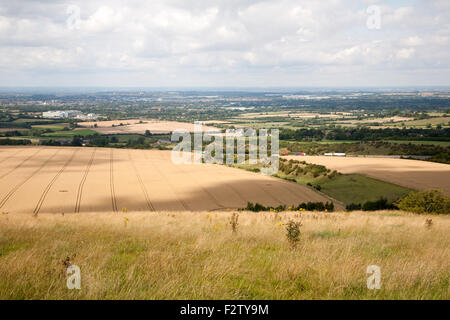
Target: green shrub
(293, 232)
(433, 202)
(381, 204)
(14, 142)
(353, 207)
(308, 206)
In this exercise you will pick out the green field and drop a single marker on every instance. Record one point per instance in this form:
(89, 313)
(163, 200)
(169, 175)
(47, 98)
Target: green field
(346, 188)
(356, 188)
(436, 143)
(54, 127)
(423, 123)
(24, 120)
(82, 132)
(337, 141)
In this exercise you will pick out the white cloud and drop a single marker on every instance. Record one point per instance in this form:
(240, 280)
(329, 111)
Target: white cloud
(105, 19)
(413, 41)
(223, 42)
(405, 53)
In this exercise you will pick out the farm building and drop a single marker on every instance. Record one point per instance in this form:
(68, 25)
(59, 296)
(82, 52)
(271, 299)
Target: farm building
(334, 154)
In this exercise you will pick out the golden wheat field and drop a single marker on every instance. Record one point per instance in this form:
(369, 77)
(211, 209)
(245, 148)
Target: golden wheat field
(195, 255)
(140, 126)
(415, 174)
(66, 180)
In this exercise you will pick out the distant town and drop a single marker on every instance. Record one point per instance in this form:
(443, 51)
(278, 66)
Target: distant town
(69, 114)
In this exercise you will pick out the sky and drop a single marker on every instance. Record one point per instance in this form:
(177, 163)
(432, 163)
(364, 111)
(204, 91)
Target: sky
(225, 43)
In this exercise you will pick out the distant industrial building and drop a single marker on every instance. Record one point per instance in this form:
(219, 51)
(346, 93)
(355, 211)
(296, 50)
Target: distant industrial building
(72, 114)
(334, 154)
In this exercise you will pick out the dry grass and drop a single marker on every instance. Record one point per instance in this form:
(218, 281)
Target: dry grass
(182, 255)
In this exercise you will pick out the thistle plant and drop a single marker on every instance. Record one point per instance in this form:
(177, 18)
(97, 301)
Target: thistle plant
(293, 232)
(233, 219)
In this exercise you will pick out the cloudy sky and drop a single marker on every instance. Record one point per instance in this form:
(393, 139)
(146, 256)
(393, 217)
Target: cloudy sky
(247, 43)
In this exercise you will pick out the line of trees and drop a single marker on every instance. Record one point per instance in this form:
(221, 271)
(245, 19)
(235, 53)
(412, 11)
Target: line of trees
(365, 134)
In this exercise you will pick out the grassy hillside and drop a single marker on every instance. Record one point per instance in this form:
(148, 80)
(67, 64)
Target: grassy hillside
(174, 255)
(348, 188)
(356, 188)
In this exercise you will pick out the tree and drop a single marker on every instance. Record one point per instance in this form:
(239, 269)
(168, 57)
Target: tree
(140, 140)
(429, 202)
(148, 133)
(76, 141)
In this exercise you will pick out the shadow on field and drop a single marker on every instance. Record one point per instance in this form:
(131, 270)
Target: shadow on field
(219, 196)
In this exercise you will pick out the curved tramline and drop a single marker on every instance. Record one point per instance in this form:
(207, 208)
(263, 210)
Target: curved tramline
(19, 165)
(104, 180)
(11, 155)
(183, 203)
(83, 180)
(111, 181)
(17, 186)
(144, 190)
(50, 184)
(204, 190)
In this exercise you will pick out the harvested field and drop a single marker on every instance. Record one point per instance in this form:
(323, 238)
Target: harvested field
(379, 120)
(11, 129)
(305, 115)
(66, 180)
(415, 174)
(135, 126)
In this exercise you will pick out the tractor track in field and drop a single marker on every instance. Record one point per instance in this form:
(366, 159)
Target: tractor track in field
(11, 156)
(215, 201)
(50, 184)
(83, 180)
(183, 203)
(144, 190)
(232, 188)
(111, 181)
(20, 164)
(13, 190)
(263, 190)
